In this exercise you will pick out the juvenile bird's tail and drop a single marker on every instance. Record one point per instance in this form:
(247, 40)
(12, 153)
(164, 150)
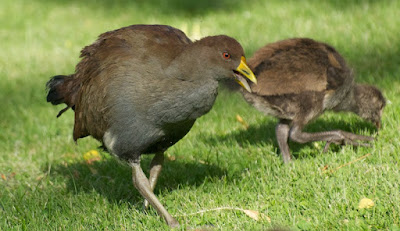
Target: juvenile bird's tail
(61, 89)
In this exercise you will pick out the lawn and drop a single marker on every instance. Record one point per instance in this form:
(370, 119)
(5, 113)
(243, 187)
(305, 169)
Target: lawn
(47, 184)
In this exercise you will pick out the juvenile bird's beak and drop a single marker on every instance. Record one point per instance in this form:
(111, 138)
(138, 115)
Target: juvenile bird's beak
(244, 70)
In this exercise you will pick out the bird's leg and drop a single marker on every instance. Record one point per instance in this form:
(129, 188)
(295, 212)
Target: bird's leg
(328, 143)
(336, 136)
(155, 169)
(141, 183)
(282, 134)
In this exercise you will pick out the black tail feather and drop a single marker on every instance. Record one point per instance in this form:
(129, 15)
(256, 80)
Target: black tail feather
(60, 90)
(54, 95)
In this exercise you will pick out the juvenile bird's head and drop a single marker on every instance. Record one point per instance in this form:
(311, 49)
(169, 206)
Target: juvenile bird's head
(369, 103)
(226, 59)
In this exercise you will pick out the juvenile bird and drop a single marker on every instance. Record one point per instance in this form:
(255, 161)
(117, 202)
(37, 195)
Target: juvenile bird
(298, 79)
(139, 90)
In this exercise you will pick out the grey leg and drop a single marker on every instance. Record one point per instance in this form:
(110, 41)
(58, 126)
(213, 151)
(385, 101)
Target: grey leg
(282, 135)
(326, 146)
(155, 169)
(141, 183)
(336, 136)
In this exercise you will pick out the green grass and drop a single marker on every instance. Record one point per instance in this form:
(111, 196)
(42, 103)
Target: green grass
(48, 186)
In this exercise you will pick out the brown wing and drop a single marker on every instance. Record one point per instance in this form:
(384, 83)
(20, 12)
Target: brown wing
(116, 53)
(296, 65)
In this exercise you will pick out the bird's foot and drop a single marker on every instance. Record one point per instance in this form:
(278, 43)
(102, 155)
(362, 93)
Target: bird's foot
(348, 138)
(172, 223)
(287, 158)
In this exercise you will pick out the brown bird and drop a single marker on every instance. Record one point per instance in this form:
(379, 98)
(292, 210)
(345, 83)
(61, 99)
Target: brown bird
(298, 79)
(139, 90)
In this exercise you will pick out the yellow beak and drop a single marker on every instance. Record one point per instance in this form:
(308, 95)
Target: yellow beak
(244, 70)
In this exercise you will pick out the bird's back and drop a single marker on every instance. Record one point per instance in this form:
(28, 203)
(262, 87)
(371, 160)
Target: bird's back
(297, 65)
(115, 68)
(140, 43)
(298, 79)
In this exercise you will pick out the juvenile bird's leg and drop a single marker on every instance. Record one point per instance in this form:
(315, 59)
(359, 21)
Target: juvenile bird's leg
(336, 136)
(155, 169)
(141, 183)
(328, 143)
(282, 134)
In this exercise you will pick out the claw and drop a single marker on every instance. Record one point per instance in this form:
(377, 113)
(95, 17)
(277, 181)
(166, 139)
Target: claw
(355, 143)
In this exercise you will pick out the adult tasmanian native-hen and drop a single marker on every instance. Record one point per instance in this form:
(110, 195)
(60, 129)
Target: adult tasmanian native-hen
(139, 89)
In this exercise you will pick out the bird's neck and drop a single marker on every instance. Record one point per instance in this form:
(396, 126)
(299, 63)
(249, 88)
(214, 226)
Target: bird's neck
(349, 103)
(195, 83)
(191, 65)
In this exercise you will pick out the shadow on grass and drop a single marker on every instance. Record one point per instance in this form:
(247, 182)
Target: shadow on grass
(347, 5)
(194, 7)
(380, 63)
(113, 179)
(190, 8)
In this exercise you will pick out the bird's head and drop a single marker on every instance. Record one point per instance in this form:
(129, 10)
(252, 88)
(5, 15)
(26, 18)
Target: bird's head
(226, 59)
(370, 103)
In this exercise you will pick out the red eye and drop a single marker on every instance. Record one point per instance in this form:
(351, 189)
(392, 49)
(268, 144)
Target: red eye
(226, 55)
